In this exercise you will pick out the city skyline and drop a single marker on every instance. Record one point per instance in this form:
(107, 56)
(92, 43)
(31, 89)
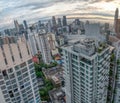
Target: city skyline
(34, 10)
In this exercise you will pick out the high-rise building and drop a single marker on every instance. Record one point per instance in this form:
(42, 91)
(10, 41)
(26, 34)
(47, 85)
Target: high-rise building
(106, 27)
(49, 26)
(39, 23)
(77, 21)
(53, 21)
(16, 26)
(86, 71)
(116, 18)
(59, 22)
(25, 24)
(64, 21)
(116, 90)
(54, 25)
(52, 43)
(21, 29)
(118, 28)
(39, 43)
(7, 32)
(18, 83)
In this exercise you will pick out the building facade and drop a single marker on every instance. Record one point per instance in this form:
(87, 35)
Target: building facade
(86, 71)
(39, 43)
(18, 83)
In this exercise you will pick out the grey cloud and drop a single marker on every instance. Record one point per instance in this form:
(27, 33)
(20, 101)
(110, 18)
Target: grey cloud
(95, 1)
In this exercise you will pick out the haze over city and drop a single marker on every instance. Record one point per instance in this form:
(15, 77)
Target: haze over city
(100, 10)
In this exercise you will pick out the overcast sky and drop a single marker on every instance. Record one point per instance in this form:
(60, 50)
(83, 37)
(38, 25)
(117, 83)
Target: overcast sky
(32, 10)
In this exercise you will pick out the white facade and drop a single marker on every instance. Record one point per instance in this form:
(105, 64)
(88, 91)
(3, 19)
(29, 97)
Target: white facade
(39, 43)
(53, 44)
(86, 72)
(18, 83)
(117, 86)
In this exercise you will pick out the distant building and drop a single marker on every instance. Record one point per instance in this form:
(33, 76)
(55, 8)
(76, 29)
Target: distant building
(25, 24)
(118, 28)
(64, 21)
(39, 43)
(16, 26)
(7, 32)
(116, 18)
(17, 75)
(54, 21)
(54, 25)
(52, 43)
(59, 22)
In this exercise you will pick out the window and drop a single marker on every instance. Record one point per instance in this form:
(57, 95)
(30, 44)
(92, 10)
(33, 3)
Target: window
(13, 59)
(30, 61)
(5, 61)
(11, 94)
(4, 73)
(1, 82)
(19, 73)
(12, 76)
(24, 70)
(10, 70)
(81, 64)
(16, 67)
(22, 65)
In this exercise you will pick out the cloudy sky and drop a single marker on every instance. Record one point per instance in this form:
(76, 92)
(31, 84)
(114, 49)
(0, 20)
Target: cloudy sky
(32, 10)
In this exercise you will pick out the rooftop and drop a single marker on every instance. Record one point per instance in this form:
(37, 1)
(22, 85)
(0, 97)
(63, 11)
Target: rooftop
(86, 46)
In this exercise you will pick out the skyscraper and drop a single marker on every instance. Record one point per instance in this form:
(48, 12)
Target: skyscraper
(39, 43)
(53, 21)
(64, 21)
(86, 74)
(118, 28)
(16, 26)
(116, 18)
(25, 24)
(54, 25)
(17, 75)
(59, 22)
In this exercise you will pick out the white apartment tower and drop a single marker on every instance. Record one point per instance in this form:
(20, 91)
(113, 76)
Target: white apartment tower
(18, 83)
(86, 65)
(39, 43)
(117, 77)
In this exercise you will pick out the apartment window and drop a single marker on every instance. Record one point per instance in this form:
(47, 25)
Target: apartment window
(5, 61)
(22, 87)
(28, 49)
(13, 59)
(9, 87)
(7, 100)
(20, 55)
(16, 67)
(30, 61)
(10, 70)
(31, 66)
(21, 83)
(1, 82)
(15, 90)
(23, 65)
(25, 75)
(24, 70)
(4, 73)
(12, 76)
(3, 87)
(11, 94)
(6, 96)
(4, 92)
(82, 64)
(20, 78)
